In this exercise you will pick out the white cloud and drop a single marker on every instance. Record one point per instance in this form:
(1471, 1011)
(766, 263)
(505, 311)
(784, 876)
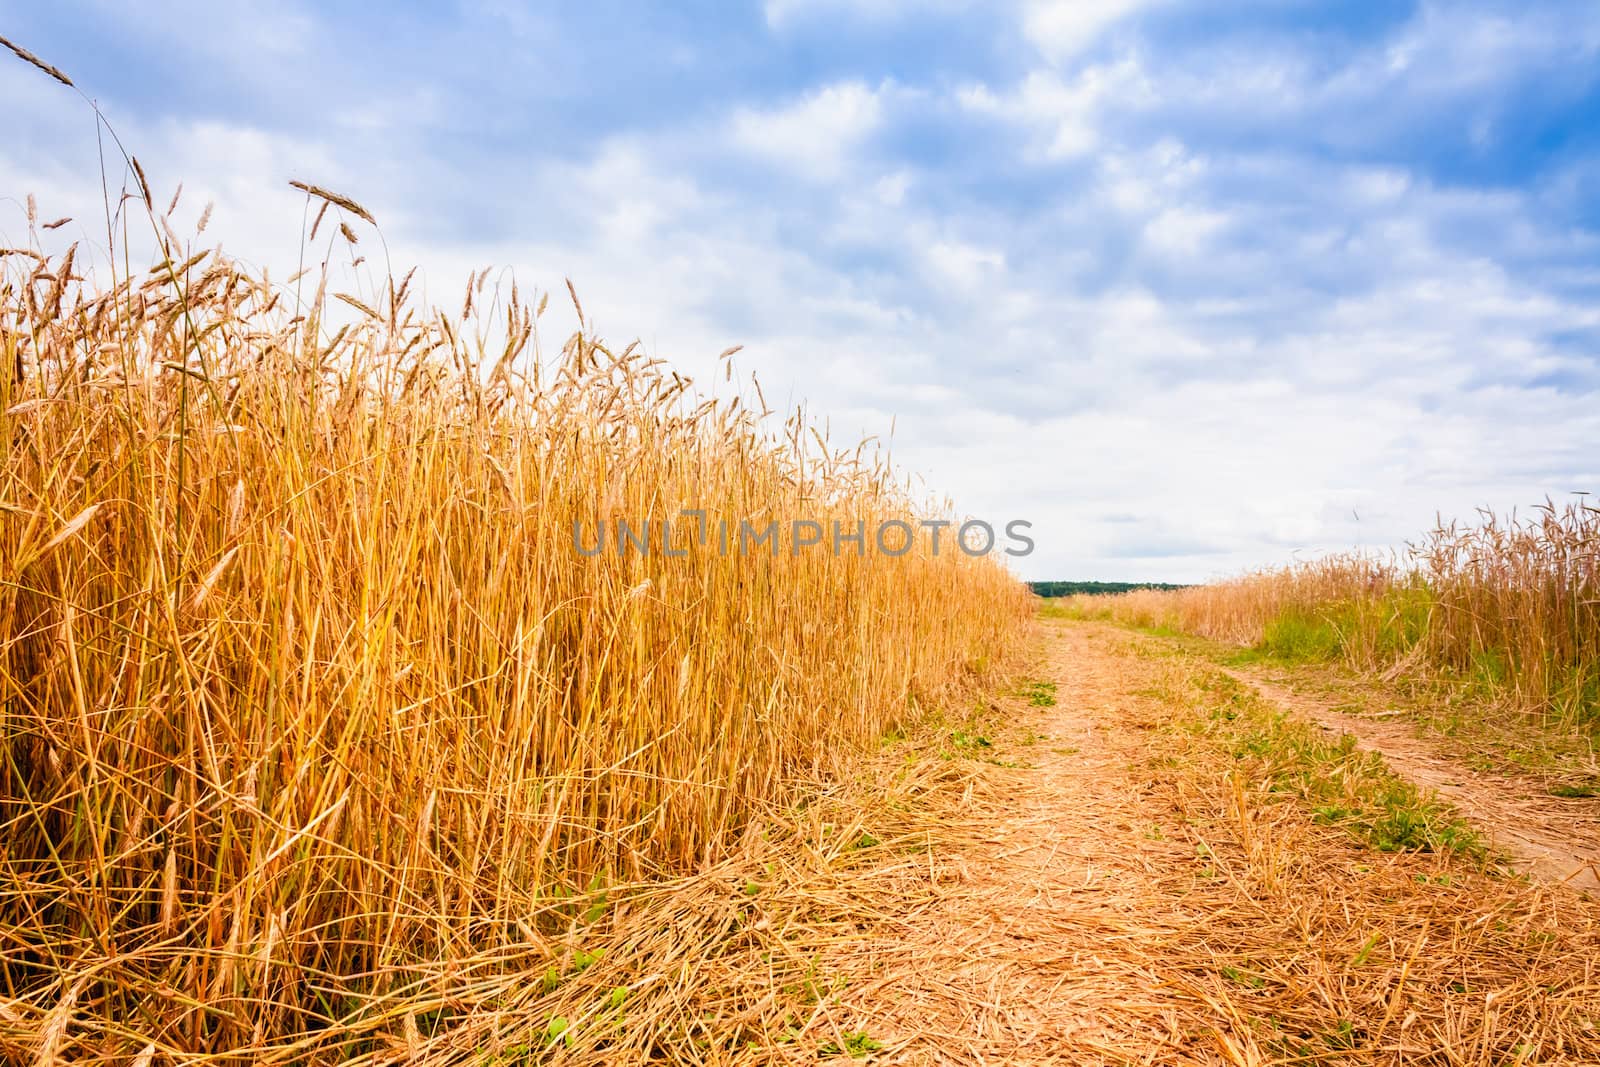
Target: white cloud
(1065, 112)
(1454, 48)
(1176, 359)
(243, 169)
(814, 135)
(780, 13)
(633, 196)
(1183, 231)
(891, 188)
(1061, 29)
(963, 265)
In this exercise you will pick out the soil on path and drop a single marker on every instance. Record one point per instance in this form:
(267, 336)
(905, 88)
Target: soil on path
(1098, 900)
(1553, 838)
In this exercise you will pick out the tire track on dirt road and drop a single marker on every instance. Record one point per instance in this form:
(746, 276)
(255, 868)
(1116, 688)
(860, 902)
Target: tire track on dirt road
(1545, 837)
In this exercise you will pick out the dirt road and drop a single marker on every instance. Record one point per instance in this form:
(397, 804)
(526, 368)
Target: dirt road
(1134, 858)
(1113, 891)
(1551, 838)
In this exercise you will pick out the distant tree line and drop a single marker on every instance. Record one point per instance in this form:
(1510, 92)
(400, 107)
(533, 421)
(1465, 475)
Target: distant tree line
(1072, 588)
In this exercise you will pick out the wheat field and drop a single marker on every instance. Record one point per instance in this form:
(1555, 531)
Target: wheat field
(307, 692)
(1509, 605)
(386, 683)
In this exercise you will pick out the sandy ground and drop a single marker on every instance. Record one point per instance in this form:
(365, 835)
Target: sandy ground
(1130, 875)
(1084, 906)
(1547, 837)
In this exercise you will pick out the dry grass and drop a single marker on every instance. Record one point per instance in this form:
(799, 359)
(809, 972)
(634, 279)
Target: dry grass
(1139, 873)
(1144, 872)
(321, 743)
(1510, 607)
(313, 716)
(1315, 949)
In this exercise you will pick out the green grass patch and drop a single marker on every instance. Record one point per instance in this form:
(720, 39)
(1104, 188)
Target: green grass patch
(1385, 629)
(857, 1045)
(967, 741)
(1342, 785)
(1300, 638)
(1242, 977)
(1039, 694)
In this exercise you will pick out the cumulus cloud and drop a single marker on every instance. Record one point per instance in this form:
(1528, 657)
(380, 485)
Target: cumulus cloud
(1189, 299)
(1063, 28)
(814, 135)
(780, 13)
(1066, 114)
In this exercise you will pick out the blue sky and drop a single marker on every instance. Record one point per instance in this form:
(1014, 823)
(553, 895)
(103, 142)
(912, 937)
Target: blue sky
(1193, 287)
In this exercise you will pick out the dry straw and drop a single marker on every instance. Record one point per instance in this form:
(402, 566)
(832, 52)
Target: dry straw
(1510, 605)
(313, 717)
